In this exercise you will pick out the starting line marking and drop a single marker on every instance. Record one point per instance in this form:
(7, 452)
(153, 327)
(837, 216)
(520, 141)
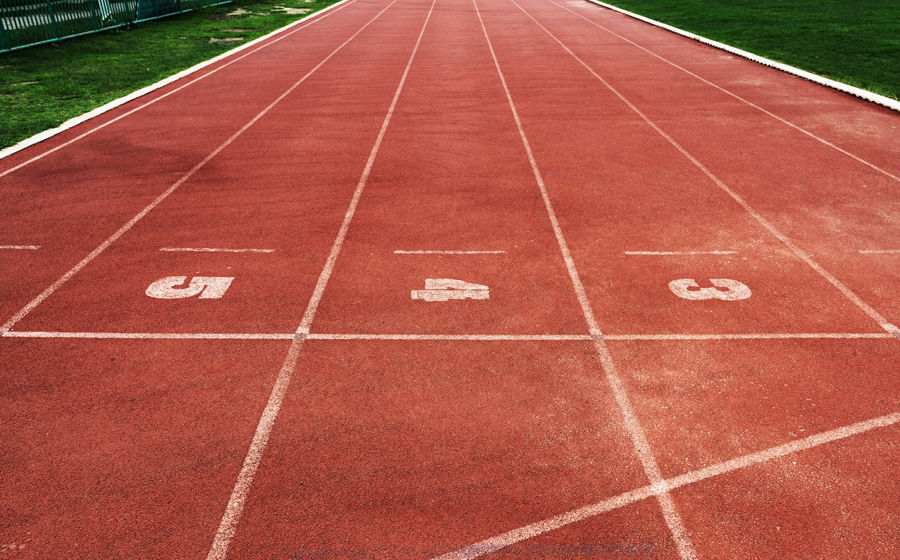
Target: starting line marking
(448, 252)
(665, 486)
(209, 250)
(680, 252)
(31, 247)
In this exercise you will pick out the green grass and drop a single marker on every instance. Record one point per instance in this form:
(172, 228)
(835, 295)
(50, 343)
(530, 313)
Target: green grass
(44, 86)
(853, 41)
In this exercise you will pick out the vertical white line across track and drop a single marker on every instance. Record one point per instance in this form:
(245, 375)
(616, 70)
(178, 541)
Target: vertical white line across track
(232, 515)
(799, 253)
(176, 90)
(632, 424)
(9, 324)
(734, 95)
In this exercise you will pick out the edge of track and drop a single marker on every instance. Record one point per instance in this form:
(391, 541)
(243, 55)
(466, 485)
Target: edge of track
(115, 103)
(840, 86)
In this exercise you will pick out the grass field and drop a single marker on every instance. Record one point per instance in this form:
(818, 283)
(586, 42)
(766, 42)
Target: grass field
(42, 87)
(855, 42)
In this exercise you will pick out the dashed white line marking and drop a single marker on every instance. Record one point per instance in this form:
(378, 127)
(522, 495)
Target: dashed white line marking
(235, 507)
(878, 252)
(680, 252)
(665, 486)
(448, 252)
(633, 426)
(211, 250)
(799, 253)
(25, 247)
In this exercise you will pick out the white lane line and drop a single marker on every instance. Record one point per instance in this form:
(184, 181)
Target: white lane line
(879, 252)
(680, 252)
(448, 252)
(24, 247)
(622, 500)
(863, 306)
(734, 95)
(8, 325)
(71, 123)
(229, 523)
(210, 250)
(754, 336)
(638, 437)
(150, 336)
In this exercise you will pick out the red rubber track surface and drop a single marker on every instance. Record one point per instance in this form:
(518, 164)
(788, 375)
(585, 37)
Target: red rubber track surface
(570, 160)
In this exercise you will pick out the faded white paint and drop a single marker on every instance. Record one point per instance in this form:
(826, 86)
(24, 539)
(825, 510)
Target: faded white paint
(445, 289)
(726, 290)
(208, 287)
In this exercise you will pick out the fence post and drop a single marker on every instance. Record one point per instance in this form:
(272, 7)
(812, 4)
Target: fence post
(3, 34)
(94, 15)
(53, 18)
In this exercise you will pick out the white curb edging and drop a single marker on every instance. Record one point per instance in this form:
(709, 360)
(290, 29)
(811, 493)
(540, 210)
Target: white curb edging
(75, 121)
(861, 93)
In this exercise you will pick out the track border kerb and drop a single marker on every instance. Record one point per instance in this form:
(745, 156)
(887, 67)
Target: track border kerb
(840, 86)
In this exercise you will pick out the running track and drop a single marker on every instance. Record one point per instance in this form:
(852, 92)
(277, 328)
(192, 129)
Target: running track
(578, 169)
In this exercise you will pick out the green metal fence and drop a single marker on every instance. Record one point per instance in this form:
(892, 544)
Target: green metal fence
(25, 23)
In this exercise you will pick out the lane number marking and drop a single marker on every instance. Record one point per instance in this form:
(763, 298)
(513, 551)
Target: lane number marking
(727, 290)
(209, 287)
(445, 289)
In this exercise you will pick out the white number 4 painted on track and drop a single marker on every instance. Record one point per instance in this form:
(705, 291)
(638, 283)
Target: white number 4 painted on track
(209, 287)
(444, 289)
(727, 290)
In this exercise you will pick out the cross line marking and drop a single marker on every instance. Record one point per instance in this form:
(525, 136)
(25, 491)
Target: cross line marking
(448, 252)
(529, 531)
(680, 252)
(469, 337)
(876, 251)
(31, 247)
(211, 250)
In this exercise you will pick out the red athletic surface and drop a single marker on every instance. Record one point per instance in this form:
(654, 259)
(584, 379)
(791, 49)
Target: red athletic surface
(417, 447)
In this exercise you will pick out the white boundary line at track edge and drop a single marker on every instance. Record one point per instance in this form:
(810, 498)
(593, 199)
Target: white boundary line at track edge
(449, 337)
(231, 517)
(632, 424)
(73, 122)
(734, 95)
(699, 475)
(799, 253)
(124, 229)
(846, 88)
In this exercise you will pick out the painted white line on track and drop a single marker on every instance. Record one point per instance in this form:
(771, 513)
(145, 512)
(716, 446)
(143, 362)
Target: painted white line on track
(448, 252)
(23, 247)
(896, 105)
(680, 252)
(228, 525)
(210, 250)
(863, 306)
(71, 123)
(699, 475)
(633, 426)
(149, 336)
(112, 239)
(472, 337)
(877, 252)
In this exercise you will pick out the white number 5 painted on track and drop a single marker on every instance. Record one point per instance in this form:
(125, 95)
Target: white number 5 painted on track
(209, 287)
(727, 290)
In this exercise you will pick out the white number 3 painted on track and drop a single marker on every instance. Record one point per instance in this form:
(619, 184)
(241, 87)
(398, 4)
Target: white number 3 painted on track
(727, 290)
(209, 287)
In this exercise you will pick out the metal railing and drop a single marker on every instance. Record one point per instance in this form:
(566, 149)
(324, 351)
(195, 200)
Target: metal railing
(25, 23)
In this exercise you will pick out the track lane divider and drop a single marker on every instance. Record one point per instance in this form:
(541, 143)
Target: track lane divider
(535, 529)
(734, 95)
(140, 93)
(799, 253)
(9, 324)
(632, 424)
(235, 507)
